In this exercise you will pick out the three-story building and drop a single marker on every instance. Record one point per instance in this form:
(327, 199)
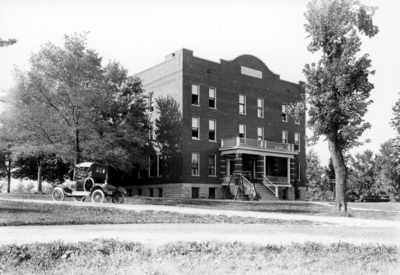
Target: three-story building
(210, 119)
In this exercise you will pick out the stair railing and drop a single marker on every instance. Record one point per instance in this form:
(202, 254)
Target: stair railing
(249, 187)
(267, 183)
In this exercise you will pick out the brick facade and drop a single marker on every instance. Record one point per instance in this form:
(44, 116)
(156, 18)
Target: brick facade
(175, 77)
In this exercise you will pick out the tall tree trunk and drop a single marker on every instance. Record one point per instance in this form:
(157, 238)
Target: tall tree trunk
(77, 148)
(40, 166)
(8, 170)
(340, 174)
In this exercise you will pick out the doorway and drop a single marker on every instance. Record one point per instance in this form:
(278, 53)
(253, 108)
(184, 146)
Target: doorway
(252, 167)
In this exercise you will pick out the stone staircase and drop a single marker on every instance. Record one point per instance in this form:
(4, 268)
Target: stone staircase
(265, 193)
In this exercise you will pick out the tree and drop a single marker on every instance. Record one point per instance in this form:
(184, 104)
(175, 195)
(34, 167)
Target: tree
(362, 178)
(387, 176)
(9, 42)
(53, 169)
(169, 136)
(317, 180)
(337, 88)
(31, 128)
(6, 164)
(67, 104)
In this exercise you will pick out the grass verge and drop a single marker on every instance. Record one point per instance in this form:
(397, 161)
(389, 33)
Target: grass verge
(14, 213)
(115, 257)
(291, 207)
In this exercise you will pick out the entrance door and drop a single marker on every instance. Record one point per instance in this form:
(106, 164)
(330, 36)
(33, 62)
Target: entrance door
(252, 166)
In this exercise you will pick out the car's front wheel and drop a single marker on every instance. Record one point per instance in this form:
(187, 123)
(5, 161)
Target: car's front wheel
(98, 196)
(58, 194)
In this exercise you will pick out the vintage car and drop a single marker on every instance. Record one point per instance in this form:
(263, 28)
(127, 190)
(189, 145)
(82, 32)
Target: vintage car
(90, 179)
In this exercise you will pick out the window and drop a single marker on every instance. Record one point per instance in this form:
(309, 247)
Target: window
(159, 166)
(212, 98)
(211, 193)
(284, 137)
(211, 130)
(284, 114)
(297, 121)
(260, 107)
(297, 141)
(195, 95)
(152, 167)
(151, 192)
(195, 128)
(151, 102)
(242, 104)
(195, 164)
(260, 133)
(195, 192)
(211, 165)
(242, 131)
(139, 191)
(140, 174)
(159, 192)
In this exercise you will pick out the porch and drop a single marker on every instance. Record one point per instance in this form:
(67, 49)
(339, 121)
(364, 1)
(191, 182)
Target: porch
(269, 164)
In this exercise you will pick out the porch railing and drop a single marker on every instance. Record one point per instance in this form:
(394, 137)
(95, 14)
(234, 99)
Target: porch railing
(269, 185)
(254, 143)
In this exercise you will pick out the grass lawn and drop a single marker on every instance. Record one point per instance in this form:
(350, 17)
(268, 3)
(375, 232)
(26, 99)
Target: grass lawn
(115, 257)
(387, 206)
(14, 213)
(288, 207)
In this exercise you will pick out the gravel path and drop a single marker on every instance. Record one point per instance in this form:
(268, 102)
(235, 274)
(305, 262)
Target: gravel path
(166, 233)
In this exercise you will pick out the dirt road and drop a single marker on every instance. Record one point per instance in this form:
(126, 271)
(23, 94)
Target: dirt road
(164, 233)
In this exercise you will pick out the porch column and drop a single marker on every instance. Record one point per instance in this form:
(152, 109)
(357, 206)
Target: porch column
(292, 172)
(223, 167)
(238, 162)
(288, 170)
(260, 168)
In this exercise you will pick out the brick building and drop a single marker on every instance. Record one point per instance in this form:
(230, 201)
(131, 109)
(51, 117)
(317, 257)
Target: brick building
(211, 119)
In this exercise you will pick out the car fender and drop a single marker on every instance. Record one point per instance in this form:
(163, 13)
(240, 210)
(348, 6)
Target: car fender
(122, 190)
(66, 190)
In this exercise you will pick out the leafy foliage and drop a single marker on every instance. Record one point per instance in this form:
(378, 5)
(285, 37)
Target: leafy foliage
(69, 106)
(318, 187)
(6, 163)
(387, 173)
(54, 170)
(169, 136)
(337, 86)
(5, 43)
(363, 179)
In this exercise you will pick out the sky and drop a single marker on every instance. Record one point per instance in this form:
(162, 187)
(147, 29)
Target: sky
(139, 34)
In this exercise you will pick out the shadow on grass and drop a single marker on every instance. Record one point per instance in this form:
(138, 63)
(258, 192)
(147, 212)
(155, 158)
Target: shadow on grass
(7, 210)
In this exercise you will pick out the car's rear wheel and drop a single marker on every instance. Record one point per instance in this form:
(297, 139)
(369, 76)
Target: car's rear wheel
(79, 199)
(58, 194)
(98, 196)
(118, 198)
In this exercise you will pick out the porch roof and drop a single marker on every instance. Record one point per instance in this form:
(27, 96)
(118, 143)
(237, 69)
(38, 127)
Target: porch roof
(257, 147)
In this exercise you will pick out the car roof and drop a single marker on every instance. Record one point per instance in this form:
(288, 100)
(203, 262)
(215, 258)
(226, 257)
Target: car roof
(84, 164)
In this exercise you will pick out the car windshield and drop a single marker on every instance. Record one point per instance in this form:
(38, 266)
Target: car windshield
(81, 172)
